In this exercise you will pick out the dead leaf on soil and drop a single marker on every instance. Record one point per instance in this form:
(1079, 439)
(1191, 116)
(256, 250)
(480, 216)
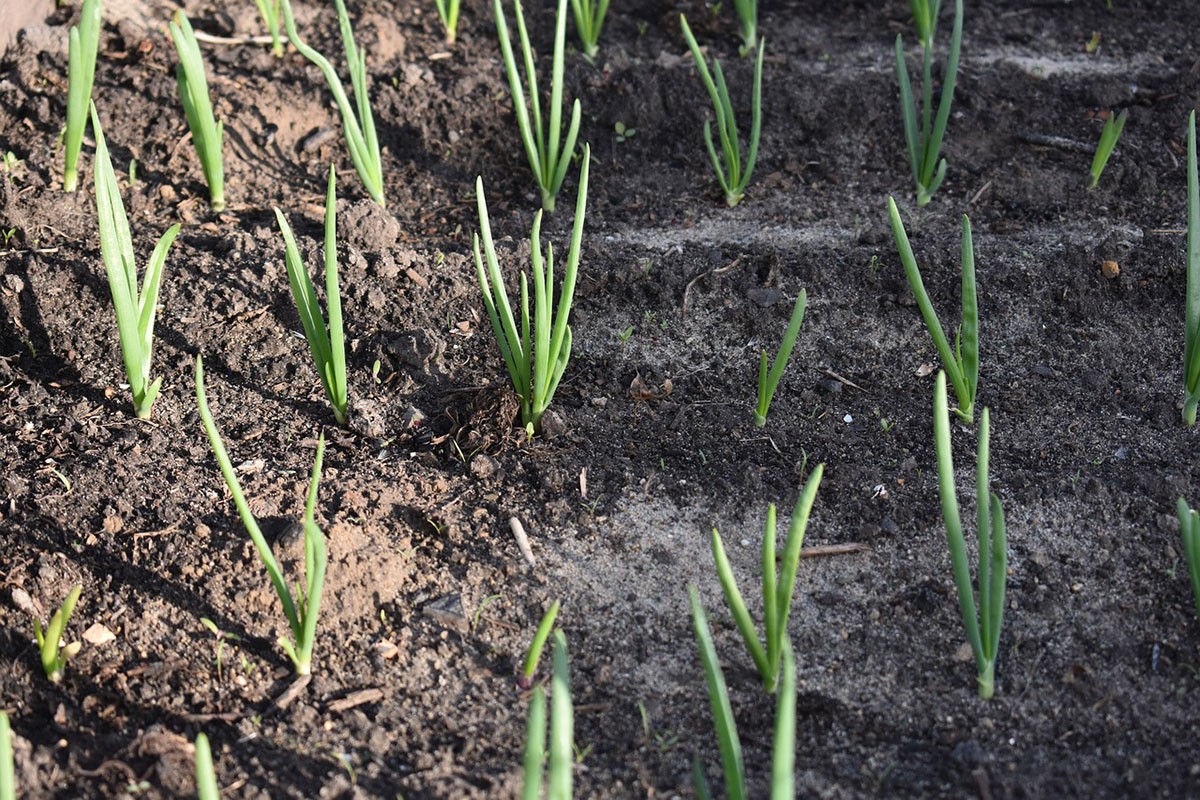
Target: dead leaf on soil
(641, 392)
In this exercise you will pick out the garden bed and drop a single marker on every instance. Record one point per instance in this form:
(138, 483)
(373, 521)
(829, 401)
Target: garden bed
(429, 603)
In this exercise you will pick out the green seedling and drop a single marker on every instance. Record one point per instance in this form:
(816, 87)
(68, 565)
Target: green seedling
(49, 641)
(269, 10)
(623, 132)
(83, 42)
(357, 120)
(529, 670)
(448, 11)
(747, 14)
(301, 612)
(732, 173)
(222, 637)
(982, 623)
(768, 378)
(1189, 527)
(589, 20)
(548, 153)
(778, 585)
(562, 733)
(1108, 141)
(206, 776)
(961, 363)
(207, 133)
(136, 311)
(8, 772)
(784, 750)
(327, 343)
(925, 142)
(536, 354)
(1191, 353)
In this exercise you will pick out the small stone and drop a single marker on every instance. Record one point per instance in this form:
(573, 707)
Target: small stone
(1110, 269)
(484, 466)
(447, 611)
(98, 635)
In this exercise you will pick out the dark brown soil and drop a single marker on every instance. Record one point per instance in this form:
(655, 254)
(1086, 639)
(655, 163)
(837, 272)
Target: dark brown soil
(429, 605)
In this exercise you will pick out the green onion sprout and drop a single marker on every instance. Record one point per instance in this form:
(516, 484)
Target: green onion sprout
(783, 758)
(269, 9)
(8, 776)
(1108, 141)
(747, 14)
(536, 354)
(925, 143)
(206, 776)
(448, 11)
(589, 21)
(548, 153)
(562, 733)
(83, 42)
(357, 120)
(961, 363)
(982, 624)
(136, 311)
(778, 584)
(537, 645)
(732, 173)
(1189, 527)
(328, 344)
(1191, 355)
(207, 133)
(49, 641)
(301, 612)
(768, 380)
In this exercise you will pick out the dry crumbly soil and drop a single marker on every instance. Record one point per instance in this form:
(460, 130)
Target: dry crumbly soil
(429, 604)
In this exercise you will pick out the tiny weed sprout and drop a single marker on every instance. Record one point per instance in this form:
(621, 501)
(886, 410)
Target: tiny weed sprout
(777, 584)
(269, 10)
(537, 645)
(8, 772)
(548, 153)
(1108, 141)
(136, 311)
(961, 363)
(589, 20)
(784, 750)
(982, 624)
(1189, 528)
(732, 173)
(537, 353)
(328, 344)
(49, 641)
(747, 14)
(562, 733)
(768, 381)
(207, 133)
(925, 142)
(357, 120)
(83, 42)
(448, 11)
(206, 776)
(1191, 355)
(301, 612)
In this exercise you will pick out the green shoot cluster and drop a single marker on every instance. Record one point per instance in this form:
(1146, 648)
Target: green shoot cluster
(732, 172)
(548, 153)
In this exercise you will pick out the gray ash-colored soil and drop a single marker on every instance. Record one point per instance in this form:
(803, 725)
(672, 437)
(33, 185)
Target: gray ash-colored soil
(429, 603)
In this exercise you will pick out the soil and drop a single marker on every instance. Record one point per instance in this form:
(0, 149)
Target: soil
(429, 603)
